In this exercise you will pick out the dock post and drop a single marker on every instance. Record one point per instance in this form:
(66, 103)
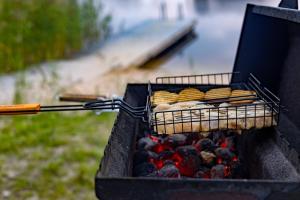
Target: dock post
(180, 11)
(163, 10)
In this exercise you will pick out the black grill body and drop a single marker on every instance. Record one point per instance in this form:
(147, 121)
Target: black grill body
(268, 48)
(269, 169)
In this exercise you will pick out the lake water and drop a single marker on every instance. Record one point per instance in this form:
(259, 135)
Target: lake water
(218, 28)
(213, 50)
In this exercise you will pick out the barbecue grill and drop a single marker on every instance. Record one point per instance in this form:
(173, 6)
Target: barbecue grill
(268, 49)
(269, 152)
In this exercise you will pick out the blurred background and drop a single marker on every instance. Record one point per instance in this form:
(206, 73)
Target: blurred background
(49, 47)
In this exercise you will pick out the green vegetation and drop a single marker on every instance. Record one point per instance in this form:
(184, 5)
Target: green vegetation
(34, 31)
(49, 155)
(53, 155)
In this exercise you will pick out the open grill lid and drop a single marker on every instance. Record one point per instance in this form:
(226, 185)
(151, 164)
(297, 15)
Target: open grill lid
(269, 48)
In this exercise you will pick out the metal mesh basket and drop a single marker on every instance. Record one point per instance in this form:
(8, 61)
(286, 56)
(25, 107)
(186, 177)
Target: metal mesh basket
(257, 110)
(202, 79)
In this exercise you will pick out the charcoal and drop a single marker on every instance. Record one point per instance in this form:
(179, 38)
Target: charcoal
(188, 156)
(217, 171)
(156, 138)
(237, 170)
(187, 150)
(158, 163)
(176, 140)
(170, 171)
(143, 156)
(158, 148)
(230, 142)
(227, 142)
(164, 155)
(187, 160)
(146, 143)
(225, 154)
(192, 138)
(153, 174)
(207, 157)
(203, 172)
(169, 162)
(218, 136)
(144, 169)
(205, 145)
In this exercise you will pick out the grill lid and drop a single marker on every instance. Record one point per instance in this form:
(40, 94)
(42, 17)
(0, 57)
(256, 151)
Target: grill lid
(289, 4)
(269, 48)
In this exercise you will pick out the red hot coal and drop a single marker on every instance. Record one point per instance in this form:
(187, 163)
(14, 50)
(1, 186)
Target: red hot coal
(188, 155)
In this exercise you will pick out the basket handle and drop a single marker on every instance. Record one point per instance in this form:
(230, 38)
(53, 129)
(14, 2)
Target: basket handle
(80, 97)
(20, 109)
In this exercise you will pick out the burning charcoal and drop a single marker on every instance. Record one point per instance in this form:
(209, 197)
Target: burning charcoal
(187, 160)
(217, 171)
(144, 169)
(170, 171)
(160, 147)
(176, 140)
(203, 172)
(224, 155)
(164, 155)
(143, 156)
(146, 143)
(161, 163)
(205, 145)
(155, 138)
(158, 163)
(227, 142)
(207, 157)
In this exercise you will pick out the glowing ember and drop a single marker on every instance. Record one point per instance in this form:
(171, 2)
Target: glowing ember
(235, 159)
(223, 144)
(187, 155)
(219, 160)
(161, 147)
(154, 139)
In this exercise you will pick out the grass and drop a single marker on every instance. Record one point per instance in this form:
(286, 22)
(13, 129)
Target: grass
(53, 155)
(35, 31)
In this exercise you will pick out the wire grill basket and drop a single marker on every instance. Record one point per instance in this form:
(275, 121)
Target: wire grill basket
(255, 110)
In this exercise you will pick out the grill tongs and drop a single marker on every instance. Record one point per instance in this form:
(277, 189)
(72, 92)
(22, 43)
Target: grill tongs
(99, 105)
(103, 105)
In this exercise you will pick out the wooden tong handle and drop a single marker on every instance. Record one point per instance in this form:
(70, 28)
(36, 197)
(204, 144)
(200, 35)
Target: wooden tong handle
(20, 109)
(79, 97)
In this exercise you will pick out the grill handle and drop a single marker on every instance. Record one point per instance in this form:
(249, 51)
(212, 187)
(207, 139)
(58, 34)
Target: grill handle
(20, 109)
(80, 97)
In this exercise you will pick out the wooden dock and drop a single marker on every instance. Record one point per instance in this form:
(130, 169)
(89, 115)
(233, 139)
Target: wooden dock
(143, 42)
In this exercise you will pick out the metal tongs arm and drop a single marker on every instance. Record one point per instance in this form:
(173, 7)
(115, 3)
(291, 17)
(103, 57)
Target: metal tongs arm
(116, 103)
